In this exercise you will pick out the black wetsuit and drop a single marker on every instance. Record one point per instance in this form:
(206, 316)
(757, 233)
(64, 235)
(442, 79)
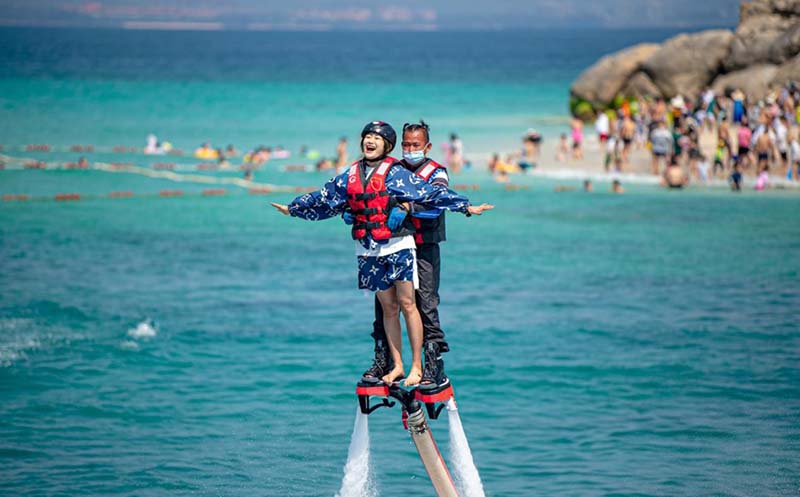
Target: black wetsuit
(428, 269)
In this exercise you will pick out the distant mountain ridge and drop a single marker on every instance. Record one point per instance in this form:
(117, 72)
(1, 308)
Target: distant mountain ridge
(366, 15)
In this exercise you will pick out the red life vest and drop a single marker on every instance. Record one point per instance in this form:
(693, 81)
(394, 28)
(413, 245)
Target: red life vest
(428, 230)
(369, 201)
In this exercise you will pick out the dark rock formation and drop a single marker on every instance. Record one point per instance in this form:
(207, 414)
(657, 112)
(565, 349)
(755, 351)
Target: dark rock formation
(640, 85)
(686, 64)
(754, 81)
(603, 81)
(761, 39)
(789, 71)
(764, 50)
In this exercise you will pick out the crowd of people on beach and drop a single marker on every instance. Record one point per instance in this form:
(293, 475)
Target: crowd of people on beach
(718, 135)
(747, 136)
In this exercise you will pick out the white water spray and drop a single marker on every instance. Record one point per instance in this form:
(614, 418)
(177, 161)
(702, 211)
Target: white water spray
(145, 329)
(357, 480)
(466, 474)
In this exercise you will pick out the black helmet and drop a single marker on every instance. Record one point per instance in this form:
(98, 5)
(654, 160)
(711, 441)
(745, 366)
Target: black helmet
(382, 129)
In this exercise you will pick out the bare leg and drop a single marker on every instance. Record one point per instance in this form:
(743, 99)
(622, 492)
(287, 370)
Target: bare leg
(408, 304)
(391, 323)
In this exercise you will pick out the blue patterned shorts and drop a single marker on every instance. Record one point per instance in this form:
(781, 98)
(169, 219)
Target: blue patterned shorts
(380, 273)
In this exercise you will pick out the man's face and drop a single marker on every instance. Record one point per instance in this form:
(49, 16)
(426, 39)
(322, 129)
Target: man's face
(414, 140)
(373, 146)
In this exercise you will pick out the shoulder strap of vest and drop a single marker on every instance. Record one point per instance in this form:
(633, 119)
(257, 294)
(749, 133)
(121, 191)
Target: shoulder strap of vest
(383, 169)
(354, 173)
(427, 170)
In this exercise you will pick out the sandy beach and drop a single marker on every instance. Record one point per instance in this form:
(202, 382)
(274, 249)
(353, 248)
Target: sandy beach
(638, 171)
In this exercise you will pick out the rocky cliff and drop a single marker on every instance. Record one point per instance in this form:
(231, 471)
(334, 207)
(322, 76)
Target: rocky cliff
(764, 50)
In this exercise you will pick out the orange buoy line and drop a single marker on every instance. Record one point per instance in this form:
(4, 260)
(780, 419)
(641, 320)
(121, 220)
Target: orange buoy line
(18, 164)
(120, 194)
(86, 149)
(68, 196)
(10, 197)
(170, 193)
(165, 171)
(9, 163)
(126, 194)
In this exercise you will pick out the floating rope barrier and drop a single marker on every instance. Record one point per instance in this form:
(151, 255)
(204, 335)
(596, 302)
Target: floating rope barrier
(69, 197)
(85, 149)
(277, 153)
(160, 170)
(10, 163)
(164, 171)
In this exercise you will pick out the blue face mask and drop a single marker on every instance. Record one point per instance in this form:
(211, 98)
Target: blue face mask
(414, 157)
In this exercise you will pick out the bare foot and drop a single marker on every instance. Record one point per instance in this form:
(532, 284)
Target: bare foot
(394, 374)
(414, 377)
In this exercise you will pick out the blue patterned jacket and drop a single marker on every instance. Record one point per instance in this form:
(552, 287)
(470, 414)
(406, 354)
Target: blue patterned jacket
(404, 185)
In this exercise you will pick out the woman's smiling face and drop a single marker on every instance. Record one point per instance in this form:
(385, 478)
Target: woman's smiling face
(373, 146)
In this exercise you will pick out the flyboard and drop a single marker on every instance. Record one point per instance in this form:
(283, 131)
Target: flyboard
(414, 420)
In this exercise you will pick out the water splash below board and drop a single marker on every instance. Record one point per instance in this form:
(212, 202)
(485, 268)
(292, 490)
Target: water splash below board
(357, 480)
(468, 481)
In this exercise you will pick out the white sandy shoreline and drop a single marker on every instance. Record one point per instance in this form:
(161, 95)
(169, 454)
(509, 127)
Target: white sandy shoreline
(591, 167)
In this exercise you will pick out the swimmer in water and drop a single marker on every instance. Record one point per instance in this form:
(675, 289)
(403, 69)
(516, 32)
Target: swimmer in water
(673, 175)
(341, 155)
(735, 179)
(563, 148)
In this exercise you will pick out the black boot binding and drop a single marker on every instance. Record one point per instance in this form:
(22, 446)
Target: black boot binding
(433, 376)
(433, 395)
(381, 365)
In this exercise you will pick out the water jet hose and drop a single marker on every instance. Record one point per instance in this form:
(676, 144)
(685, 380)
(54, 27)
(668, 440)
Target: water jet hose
(426, 446)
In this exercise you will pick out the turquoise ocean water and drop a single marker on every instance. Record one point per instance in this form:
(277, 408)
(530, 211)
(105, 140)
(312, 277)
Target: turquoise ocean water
(642, 344)
(107, 87)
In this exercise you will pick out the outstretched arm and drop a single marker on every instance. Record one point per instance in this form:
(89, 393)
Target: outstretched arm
(438, 178)
(325, 203)
(477, 210)
(282, 208)
(409, 188)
